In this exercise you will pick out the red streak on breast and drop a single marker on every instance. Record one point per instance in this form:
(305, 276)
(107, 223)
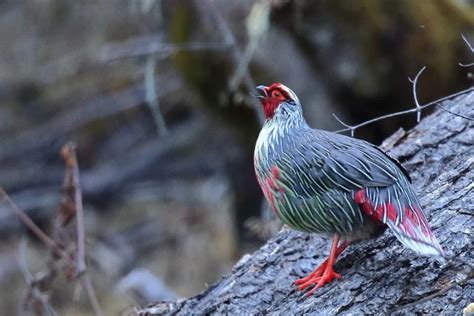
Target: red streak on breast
(275, 172)
(270, 187)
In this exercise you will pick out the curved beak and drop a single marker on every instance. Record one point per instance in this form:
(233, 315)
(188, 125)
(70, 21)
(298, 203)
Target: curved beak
(262, 90)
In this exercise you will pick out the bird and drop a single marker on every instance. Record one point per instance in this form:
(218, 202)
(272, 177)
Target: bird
(335, 185)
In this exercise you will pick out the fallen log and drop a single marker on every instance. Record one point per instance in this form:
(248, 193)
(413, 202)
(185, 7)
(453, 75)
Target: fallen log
(379, 276)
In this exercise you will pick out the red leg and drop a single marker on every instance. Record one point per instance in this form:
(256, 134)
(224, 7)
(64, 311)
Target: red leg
(325, 272)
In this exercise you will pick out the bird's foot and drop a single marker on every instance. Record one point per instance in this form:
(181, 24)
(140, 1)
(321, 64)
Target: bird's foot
(306, 281)
(323, 275)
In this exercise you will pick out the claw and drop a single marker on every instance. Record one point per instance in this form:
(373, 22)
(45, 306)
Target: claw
(316, 273)
(319, 280)
(327, 277)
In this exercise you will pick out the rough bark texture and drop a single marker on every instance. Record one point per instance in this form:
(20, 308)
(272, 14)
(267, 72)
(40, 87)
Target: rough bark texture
(379, 276)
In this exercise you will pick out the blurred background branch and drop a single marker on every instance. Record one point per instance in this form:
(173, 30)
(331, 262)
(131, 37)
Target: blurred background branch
(109, 74)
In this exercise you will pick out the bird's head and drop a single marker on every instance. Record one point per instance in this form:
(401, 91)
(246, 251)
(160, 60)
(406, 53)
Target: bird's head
(278, 98)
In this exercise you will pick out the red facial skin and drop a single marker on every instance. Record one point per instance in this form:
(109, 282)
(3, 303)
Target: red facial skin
(275, 95)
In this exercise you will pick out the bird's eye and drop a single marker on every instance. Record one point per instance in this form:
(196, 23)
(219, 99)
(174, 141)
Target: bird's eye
(276, 94)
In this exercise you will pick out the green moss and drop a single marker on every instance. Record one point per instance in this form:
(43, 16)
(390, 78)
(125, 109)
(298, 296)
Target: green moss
(408, 33)
(208, 74)
(198, 68)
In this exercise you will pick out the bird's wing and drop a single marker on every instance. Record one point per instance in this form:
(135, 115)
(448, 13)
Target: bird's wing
(326, 164)
(395, 205)
(336, 162)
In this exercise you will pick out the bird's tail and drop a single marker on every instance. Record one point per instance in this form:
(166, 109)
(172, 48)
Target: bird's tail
(416, 238)
(399, 208)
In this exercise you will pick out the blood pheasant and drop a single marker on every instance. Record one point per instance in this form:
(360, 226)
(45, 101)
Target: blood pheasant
(322, 182)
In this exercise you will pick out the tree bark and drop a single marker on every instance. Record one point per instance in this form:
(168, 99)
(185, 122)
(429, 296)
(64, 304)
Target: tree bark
(379, 276)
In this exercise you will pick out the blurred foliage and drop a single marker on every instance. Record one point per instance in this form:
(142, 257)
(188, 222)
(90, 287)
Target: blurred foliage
(176, 205)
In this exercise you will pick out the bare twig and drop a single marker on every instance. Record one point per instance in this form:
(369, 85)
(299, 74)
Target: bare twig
(257, 25)
(415, 95)
(87, 284)
(68, 153)
(79, 115)
(350, 128)
(236, 54)
(418, 107)
(145, 46)
(152, 46)
(6, 202)
(471, 49)
(383, 117)
(151, 95)
(29, 280)
(22, 261)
